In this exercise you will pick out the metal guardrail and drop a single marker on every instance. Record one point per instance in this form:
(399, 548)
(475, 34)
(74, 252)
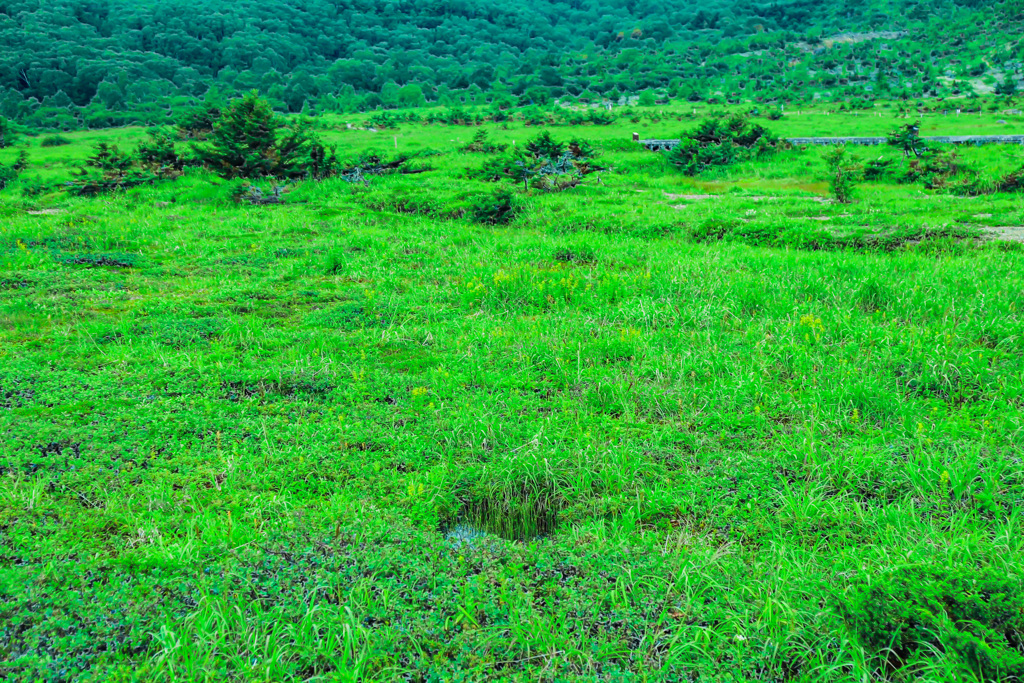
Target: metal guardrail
(663, 145)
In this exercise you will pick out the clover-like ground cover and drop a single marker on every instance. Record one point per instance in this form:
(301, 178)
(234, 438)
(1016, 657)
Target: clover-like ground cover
(654, 429)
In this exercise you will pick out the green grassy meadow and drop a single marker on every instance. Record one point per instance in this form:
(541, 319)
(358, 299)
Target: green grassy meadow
(657, 428)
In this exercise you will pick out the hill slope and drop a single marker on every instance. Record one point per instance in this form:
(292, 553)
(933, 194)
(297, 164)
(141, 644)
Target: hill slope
(108, 62)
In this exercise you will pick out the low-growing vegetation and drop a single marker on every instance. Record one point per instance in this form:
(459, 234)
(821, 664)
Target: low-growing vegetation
(319, 400)
(721, 141)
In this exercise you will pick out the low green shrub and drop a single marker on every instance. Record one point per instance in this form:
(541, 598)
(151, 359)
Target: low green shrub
(198, 123)
(497, 208)
(1011, 182)
(7, 176)
(8, 135)
(115, 260)
(550, 164)
(158, 153)
(21, 163)
(721, 141)
(109, 159)
(974, 616)
(877, 169)
(347, 316)
(843, 173)
(816, 238)
(482, 144)
(54, 141)
(173, 330)
(581, 254)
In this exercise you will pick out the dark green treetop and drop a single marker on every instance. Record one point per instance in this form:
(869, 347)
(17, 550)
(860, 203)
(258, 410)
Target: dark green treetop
(249, 140)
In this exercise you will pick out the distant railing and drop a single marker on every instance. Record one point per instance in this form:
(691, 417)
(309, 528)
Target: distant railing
(663, 145)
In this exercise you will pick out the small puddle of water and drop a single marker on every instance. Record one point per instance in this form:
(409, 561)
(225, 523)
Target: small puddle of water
(478, 522)
(464, 535)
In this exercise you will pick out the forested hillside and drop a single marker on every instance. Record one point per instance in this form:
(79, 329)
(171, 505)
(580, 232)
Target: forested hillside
(73, 63)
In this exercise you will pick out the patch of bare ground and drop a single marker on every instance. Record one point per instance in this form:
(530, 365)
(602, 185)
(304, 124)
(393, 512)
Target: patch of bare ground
(767, 198)
(847, 39)
(689, 197)
(1005, 233)
(45, 212)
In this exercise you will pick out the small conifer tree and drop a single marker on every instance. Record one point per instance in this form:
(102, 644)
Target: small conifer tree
(250, 141)
(21, 163)
(545, 147)
(908, 138)
(158, 153)
(109, 159)
(1008, 86)
(7, 176)
(842, 173)
(198, 123)
(323, 160)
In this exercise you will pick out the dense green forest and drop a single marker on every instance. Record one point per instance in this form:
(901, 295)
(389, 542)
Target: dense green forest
(94, 63)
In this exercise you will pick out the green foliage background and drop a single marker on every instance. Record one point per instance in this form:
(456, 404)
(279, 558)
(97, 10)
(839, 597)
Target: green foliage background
(94, 63)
